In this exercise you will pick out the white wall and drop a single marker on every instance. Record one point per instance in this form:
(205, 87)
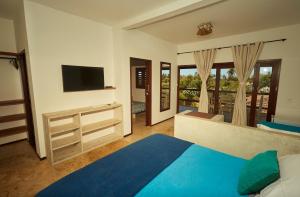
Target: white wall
(138, 94)
(137, 44)
(10, 80)
(288, 103)
(56, 38)
(7, 35)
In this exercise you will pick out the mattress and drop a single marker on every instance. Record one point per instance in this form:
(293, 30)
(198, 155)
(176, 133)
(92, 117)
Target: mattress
(158, 165)
(138, 107)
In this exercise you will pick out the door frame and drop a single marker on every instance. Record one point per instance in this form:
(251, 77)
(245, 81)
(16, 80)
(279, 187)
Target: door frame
(27, 100)
(276, 66)
(148, 88)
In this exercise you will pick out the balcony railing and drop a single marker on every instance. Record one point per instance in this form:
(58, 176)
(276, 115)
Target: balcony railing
(225, 103)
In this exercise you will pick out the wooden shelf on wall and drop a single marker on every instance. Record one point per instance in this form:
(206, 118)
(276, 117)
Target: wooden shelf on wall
(13, 131)
(109, 88)
(64, 141)
(11, 102)
(11, 118)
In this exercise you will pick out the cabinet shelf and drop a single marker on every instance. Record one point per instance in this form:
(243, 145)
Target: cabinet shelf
(60, 155)
(96, 109)
(99, 125)
(67, 140)
(64, 142)
(89, 145)
(63, 128)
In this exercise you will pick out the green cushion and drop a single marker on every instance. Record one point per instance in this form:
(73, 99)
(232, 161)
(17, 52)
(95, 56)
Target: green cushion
(260, 171)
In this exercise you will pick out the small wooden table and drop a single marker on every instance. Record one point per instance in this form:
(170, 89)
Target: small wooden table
(215, 117)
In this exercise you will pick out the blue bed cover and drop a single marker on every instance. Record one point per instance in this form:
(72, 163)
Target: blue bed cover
(158, 165)
(198, 171)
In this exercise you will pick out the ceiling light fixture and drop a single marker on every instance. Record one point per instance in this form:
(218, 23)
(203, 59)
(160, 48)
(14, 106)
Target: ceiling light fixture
(205, 29)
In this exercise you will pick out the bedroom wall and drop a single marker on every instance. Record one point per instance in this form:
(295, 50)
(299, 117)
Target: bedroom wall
(9, 76)
(138, 94)
(7, 35)
(56, 38)
(137, 44)
(288, 103)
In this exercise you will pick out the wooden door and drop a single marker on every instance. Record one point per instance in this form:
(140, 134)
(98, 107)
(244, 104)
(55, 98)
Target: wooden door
(148, 92)
(264, 102)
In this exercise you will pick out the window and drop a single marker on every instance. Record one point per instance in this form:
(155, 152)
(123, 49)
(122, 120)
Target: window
(189, 84)
(222, 84)
(140, 76)
(165, 86)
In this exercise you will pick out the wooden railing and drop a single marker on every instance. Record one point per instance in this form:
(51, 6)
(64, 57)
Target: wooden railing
(220, 92)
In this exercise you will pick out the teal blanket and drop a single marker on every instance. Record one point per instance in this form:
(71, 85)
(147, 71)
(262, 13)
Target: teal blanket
(200, 172)
(280, 126)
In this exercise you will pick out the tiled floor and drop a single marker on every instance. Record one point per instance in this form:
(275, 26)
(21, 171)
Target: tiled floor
(23, 174)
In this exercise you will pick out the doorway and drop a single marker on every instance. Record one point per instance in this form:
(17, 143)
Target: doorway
(140, 92)
(16, 120)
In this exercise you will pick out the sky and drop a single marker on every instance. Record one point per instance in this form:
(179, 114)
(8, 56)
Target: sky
(263, 70)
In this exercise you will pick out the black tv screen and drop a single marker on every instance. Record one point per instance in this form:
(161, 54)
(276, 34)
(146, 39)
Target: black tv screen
(80, 78)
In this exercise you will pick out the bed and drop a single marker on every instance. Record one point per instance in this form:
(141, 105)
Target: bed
(138, 107)
(279, 127)
(158, 165)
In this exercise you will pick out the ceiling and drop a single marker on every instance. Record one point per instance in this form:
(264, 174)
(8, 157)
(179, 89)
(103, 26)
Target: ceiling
(229, 17)
(110, 12)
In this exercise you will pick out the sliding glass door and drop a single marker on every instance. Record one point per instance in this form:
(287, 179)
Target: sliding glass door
(222, 84)
(265, 90)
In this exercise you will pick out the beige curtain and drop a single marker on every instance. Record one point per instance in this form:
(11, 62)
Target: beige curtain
(244, 57)
(204, 60)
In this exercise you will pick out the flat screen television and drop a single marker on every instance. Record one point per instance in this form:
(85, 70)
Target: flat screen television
(81, 78)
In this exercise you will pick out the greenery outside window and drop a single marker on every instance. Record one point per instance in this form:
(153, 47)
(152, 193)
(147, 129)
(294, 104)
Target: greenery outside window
(165, 86)
(222, 84)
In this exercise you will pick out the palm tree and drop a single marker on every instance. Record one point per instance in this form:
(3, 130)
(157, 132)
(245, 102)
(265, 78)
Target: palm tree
(231, 73)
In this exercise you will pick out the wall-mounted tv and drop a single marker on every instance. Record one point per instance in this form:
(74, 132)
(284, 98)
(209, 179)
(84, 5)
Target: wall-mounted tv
(80, 78)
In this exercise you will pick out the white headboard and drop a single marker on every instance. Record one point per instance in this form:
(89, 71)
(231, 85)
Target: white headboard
(243, 142)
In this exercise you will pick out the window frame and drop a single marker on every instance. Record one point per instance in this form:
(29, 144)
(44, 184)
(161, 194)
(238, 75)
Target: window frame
(160, 97)
(274, 63)
(141, 85)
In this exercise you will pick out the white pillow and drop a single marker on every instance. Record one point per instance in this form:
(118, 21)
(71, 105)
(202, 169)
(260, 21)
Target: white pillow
(289, 166)
(289, 183)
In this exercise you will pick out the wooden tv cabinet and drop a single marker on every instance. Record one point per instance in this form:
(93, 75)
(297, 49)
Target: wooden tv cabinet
(67, 135)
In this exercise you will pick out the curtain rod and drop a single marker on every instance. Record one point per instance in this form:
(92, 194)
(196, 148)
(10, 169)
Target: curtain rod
(278, 40)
